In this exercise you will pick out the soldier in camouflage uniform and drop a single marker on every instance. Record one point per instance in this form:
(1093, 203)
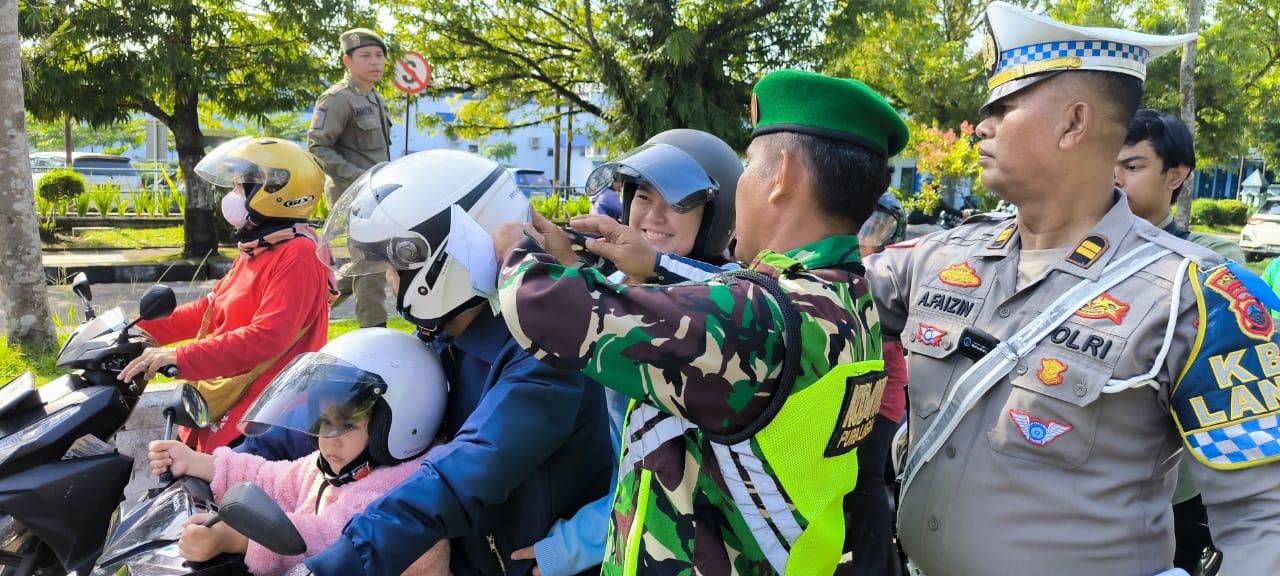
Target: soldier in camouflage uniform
(750, 392)
(350, 132)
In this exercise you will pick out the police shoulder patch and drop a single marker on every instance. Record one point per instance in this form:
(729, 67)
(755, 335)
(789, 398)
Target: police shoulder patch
(1226, 401)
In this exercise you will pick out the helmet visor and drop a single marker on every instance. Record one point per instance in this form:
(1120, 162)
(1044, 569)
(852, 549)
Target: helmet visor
(878, 230)
(225, 167)
(316, 394)
(675, 175)
(359, 204)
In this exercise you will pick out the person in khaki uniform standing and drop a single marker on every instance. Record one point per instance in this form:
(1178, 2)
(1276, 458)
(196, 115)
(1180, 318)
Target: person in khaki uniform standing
(350, 133)
(1065, 359)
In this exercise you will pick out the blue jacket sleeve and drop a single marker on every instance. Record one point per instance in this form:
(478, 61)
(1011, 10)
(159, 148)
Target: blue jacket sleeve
(527, 414)
(673, 269)
(277, 444)
(574, 545)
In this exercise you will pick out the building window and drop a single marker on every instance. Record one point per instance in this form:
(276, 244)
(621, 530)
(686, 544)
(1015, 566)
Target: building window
(535, 142)
(473, 148)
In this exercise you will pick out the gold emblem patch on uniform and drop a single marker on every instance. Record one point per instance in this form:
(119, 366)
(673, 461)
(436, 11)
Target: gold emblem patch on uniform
(1089, 250)
(1104, 306)
(857, 412)
(1051, 371)
(1003, 237)
(961, 275)
(755, 110)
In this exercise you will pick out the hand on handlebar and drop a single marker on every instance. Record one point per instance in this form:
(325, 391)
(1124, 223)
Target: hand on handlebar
(199, 543)
(149, 362)
(179, 459)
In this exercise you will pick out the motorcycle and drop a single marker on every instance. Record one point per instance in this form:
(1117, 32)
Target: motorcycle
(60, 477)
(144, 542)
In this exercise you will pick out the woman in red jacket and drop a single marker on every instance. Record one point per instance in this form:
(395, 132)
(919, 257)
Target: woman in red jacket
(273, 304)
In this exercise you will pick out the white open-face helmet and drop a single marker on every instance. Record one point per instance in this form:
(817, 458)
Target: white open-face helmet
(397, 217)
(388, 376)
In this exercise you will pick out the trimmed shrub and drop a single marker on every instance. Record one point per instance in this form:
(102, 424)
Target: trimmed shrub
(1220, 213)
(60, 186)
(1235, 212)
(1207, 212)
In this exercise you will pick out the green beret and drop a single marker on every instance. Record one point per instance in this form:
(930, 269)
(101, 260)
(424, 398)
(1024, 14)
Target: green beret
(836, 108)
(359, 38)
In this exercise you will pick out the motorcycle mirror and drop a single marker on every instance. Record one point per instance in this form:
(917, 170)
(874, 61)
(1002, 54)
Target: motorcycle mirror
(157, 302)
(80, 286)
(188, 407)
(253, 513)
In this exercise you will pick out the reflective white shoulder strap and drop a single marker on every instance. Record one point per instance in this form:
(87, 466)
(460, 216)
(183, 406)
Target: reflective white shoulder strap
(979, 378)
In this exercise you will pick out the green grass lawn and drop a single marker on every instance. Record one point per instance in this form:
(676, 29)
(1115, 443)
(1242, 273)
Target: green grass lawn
(14, 362)
(344, 325)
(163, 237)
(1221, 230)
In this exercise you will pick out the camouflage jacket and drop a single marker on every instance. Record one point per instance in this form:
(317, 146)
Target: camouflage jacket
(698, 359)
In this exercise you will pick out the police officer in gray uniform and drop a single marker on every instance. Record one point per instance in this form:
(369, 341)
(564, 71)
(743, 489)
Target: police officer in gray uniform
(1063, 360)
(350, 132)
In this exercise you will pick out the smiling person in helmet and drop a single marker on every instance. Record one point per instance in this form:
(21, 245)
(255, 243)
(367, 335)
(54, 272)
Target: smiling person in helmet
(754, 388)
(527, 443)
(370, 402)
(681, 223)
(273, 303)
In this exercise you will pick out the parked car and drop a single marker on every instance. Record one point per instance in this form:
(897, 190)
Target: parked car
(1260, 237)
(531, 181)
(95, 168)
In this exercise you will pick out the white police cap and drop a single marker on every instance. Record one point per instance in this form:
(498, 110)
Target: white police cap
(1022, 48)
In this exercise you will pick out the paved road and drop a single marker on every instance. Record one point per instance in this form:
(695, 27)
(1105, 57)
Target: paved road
(107, 296)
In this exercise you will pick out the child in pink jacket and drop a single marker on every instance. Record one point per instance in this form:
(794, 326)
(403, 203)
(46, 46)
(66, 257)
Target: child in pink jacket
(318, 509)
(371, 400)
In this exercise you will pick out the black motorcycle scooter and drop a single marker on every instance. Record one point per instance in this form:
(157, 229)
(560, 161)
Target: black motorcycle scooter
(60, 478)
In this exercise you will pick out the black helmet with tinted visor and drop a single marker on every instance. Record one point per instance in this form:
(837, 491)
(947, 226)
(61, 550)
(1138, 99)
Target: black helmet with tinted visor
(668, 170)
(316, 394)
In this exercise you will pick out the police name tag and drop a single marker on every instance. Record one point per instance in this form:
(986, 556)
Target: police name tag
(857, 412)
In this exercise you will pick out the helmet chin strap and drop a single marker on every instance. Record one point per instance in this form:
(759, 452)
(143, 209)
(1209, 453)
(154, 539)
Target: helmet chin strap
(357, 469)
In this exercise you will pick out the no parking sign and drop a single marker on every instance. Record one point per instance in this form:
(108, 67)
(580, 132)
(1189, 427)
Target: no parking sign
(412, 73)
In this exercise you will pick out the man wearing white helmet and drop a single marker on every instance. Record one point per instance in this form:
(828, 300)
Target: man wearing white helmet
(526, 444)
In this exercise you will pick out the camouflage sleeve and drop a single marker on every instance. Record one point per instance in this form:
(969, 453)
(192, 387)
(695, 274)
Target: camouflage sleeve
(1224, 361)
(708, 352)
(327, 123)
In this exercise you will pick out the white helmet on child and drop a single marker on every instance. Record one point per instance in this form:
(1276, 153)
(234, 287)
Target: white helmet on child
(387, 375)
(397, 217)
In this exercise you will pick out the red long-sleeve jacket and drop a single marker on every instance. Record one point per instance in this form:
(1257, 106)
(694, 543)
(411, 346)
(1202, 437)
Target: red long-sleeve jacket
(256, 313)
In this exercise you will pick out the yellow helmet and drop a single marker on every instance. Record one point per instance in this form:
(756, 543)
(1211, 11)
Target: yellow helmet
(281, 181)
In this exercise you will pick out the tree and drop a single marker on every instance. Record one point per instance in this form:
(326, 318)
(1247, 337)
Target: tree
(661, 64)
(1187, 78)
(110, 139)
(21, 267)
(502, 151)
(286, 125)
(102, 61)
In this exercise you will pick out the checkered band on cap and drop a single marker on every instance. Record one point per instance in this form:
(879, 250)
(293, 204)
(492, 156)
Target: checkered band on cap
(1251, 441)
(1078, 48)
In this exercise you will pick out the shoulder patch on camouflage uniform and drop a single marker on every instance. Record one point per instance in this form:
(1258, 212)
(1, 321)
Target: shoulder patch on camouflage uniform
(1226, 402)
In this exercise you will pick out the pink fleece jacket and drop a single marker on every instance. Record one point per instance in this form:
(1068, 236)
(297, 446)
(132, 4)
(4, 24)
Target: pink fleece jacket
(295, 486)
